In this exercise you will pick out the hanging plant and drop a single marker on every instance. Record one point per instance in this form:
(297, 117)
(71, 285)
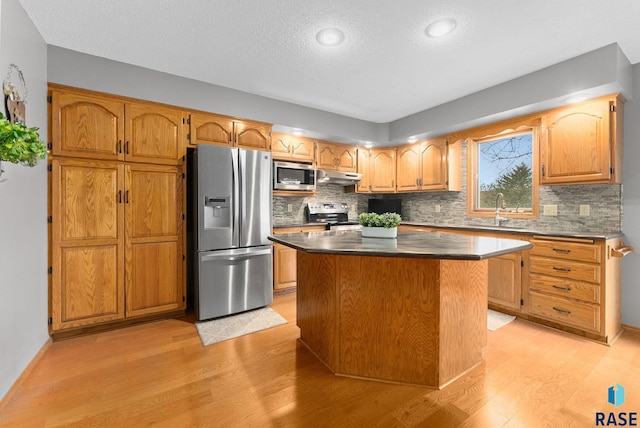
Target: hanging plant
(20, 144)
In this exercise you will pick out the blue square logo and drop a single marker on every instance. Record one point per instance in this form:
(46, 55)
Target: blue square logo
(616, 395)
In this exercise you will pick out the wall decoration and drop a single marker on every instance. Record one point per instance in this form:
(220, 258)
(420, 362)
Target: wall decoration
(14, 99)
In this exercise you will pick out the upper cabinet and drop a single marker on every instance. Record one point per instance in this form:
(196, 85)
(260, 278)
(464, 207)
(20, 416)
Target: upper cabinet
(336, 156)
(207, 128)
(378, 169)
(292, 147)
(429, 165)
(153, 134)
(87, 125)
(583, 143)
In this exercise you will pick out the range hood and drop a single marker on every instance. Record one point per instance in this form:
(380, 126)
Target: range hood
(338, 177)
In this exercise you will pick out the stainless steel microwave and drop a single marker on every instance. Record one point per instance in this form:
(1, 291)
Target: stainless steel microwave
(294, 176)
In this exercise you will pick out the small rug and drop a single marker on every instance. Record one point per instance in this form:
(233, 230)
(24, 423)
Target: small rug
(495, 319)
(229, 327)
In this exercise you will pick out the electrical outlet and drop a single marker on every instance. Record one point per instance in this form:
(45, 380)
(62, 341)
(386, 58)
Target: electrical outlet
(353, 207)
(437, 208)
(550, 210)
(289, 208)
(585, 210)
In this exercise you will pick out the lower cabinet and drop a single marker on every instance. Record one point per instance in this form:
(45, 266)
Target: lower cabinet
(284, 267)
(575, 285)
(571, 284)
(285, 275)
(116, 238)
(505, 281)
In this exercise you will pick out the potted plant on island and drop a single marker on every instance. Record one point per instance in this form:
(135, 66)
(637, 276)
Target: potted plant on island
(20, 144)
(379, 225)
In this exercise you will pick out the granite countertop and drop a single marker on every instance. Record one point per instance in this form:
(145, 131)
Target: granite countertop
(407, 244)
(521, 230)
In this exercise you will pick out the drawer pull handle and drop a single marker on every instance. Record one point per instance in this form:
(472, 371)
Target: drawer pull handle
(562, 269)
(557, 287)
(559, 250)
(562, 311)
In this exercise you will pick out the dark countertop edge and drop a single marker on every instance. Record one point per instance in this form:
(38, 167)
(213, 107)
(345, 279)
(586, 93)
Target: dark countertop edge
(522, 231)
(401, 255)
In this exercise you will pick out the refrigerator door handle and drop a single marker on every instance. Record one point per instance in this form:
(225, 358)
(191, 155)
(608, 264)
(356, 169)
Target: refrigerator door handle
(235, 255)
(235, 184)
(242, 195)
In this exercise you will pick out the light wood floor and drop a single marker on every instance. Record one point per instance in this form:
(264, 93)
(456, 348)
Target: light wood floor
(160, 374)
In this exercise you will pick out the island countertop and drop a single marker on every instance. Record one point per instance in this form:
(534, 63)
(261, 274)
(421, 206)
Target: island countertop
(408, 244)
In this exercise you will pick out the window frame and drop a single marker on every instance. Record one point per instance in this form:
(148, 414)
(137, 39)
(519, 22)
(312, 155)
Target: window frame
(477, 136)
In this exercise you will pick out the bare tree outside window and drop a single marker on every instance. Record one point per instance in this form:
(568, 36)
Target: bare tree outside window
(505, 166)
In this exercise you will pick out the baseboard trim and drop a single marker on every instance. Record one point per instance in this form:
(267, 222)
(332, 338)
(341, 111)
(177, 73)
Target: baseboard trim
(631, 329)
(18, 383)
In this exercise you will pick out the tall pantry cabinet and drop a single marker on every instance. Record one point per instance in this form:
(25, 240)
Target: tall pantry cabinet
(116, 188)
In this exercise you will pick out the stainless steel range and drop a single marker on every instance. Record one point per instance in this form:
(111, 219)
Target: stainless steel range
(334, 214)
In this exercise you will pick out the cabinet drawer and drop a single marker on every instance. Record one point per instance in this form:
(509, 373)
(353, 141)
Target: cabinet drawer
(565, 269)
(566, 288)
(575, 314)
(567, 250)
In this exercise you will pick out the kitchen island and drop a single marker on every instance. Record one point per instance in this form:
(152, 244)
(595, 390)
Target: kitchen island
(407, 310)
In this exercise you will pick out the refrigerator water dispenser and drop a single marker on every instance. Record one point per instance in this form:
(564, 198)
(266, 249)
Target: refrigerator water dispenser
(217, 212)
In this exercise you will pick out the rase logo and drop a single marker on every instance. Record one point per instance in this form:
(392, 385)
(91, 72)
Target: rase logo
(615, 396)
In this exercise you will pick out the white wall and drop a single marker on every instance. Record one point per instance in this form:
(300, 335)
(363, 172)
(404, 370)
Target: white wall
(72, 68)
(631, 206)
(603, 71)
(23, 209)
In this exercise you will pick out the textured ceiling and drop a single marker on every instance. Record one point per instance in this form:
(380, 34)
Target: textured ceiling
(385, 69)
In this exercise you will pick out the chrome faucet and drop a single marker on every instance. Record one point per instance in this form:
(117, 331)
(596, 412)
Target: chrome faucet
(498, 219)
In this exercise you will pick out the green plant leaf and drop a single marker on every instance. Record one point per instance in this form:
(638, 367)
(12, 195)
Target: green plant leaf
(19, 144)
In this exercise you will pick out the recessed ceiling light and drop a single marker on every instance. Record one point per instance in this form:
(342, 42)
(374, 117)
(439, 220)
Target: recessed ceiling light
(440, 28)
(330, 37)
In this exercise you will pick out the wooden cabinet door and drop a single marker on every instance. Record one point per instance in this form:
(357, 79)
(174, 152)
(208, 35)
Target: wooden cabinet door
(383, 165)
(302, 149)
(364, 157)
(578, 145)
(346, 158)
(153, 265)
(433, 158)
(292, 147)
(505, 280)
(87, 243)
(281, 146)
(284, 269)
(154, 134)
(252, 135)
(86, 126)
(408, 168)
(210, 129)
(326, 156)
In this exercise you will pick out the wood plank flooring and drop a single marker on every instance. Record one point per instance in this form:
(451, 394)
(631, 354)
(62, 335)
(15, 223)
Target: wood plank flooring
(160, 374)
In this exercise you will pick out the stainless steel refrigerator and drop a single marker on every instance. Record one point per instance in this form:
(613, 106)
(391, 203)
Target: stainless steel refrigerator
(231, 267)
